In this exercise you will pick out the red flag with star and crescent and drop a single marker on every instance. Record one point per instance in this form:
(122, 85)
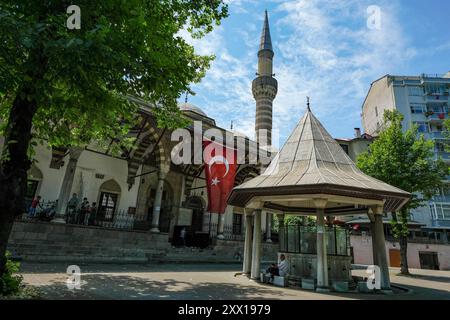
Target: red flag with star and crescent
(220, 170)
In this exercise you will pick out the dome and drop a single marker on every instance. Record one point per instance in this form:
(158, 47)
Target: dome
(190, 107)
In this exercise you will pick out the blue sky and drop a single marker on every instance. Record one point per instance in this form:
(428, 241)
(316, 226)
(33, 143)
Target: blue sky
(323, 49)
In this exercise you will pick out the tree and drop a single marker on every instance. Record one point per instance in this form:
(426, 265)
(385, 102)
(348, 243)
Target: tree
(407, 161)
(69, 86)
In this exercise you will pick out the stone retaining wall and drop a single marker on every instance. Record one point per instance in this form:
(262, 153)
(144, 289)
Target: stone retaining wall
(35, 241)
(50, 242)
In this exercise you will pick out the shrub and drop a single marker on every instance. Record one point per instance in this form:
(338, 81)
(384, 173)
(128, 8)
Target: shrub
(10, 282)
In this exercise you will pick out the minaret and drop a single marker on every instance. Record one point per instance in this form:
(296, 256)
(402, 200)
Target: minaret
(265, 86)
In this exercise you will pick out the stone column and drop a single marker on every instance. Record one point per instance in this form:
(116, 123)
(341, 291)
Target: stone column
(247, 266)
(256, 254)
(281, 232)
(374, 240)
(268, 227)
(220, 226)
(66, 188)
(322, 262)
(380, 249)
(158, 199)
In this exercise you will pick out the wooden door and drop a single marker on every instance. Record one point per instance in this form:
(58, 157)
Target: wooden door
(394, 258)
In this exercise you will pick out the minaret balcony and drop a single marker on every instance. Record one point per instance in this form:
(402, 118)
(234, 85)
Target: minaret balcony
(265, 81)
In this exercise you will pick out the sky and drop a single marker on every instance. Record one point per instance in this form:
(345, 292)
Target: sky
(330, 50)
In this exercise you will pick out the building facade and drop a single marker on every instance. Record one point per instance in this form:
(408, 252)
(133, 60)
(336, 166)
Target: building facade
(141, 187)
(424, 101)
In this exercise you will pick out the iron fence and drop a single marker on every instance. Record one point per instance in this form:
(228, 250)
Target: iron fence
(229, 231)
(123, 220)
(303, 239)
(234, 232)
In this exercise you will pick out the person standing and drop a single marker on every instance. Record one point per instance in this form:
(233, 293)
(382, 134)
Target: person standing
(183, 236)
(33, 207)
(84, 209)
(72, 207)
(92, 214)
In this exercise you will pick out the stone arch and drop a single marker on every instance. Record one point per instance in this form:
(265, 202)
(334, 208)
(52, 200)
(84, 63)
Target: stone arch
(245, 173)
(166, 215)
(111, 186)
(191, 171)
(35, 173)
(149, 148)
(197, 205)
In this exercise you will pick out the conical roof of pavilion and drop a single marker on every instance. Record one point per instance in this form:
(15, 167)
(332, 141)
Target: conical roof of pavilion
(312, 162)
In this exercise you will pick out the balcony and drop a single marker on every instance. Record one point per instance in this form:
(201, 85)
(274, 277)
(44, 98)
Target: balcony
(437, 117)
(442, 155)
(439, 135)
(436, 98)
(434, 78)
(440, 212)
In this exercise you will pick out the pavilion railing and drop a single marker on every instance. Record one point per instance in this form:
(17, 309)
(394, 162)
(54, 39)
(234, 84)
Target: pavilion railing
(303, 239)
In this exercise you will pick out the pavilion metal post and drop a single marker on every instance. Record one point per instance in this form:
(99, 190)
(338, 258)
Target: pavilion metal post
(268, 227)
(281, 233)
(256, 254)
(247, 265)
(322, 260)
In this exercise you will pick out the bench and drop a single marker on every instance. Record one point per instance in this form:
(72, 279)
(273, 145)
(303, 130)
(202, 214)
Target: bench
(277, 280)
(280, 281)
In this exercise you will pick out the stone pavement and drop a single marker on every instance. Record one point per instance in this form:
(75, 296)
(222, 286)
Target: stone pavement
(202, 281)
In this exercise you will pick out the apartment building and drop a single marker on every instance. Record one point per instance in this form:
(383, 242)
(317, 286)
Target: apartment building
(424, 101)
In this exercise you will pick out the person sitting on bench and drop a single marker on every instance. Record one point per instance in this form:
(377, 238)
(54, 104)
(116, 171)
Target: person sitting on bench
(279, 270)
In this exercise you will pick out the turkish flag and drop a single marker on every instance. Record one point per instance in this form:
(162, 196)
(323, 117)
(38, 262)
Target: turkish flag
(220, 170)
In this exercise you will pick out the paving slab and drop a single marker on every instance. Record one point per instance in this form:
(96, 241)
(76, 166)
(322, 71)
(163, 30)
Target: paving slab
(200, 282)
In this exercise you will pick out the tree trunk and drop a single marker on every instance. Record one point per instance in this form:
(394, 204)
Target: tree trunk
(14, 162)
(404, 255)
(403, 240)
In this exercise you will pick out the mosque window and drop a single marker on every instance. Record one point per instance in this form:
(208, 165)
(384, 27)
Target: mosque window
(107, 208)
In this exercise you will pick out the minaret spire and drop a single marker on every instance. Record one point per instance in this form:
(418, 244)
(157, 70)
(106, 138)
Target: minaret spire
(265, 87)
(266, 41)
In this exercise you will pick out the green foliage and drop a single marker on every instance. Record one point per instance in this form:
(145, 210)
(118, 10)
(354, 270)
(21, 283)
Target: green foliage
(447, 136)
(405, 160)
(10, 282)
(123, 48)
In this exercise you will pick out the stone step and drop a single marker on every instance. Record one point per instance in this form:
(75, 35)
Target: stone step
(85, 259)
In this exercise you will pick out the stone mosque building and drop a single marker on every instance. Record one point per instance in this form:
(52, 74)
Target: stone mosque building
(142, 188)
(143, 184)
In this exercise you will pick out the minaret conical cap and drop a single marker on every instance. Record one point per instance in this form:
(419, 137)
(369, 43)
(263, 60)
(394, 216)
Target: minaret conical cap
(266, 41)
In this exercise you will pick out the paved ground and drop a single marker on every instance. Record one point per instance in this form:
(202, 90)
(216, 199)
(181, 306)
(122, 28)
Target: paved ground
(193, 281)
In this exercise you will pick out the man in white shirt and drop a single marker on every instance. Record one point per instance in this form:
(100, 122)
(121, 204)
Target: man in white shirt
(281, 269)
(283, 266)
